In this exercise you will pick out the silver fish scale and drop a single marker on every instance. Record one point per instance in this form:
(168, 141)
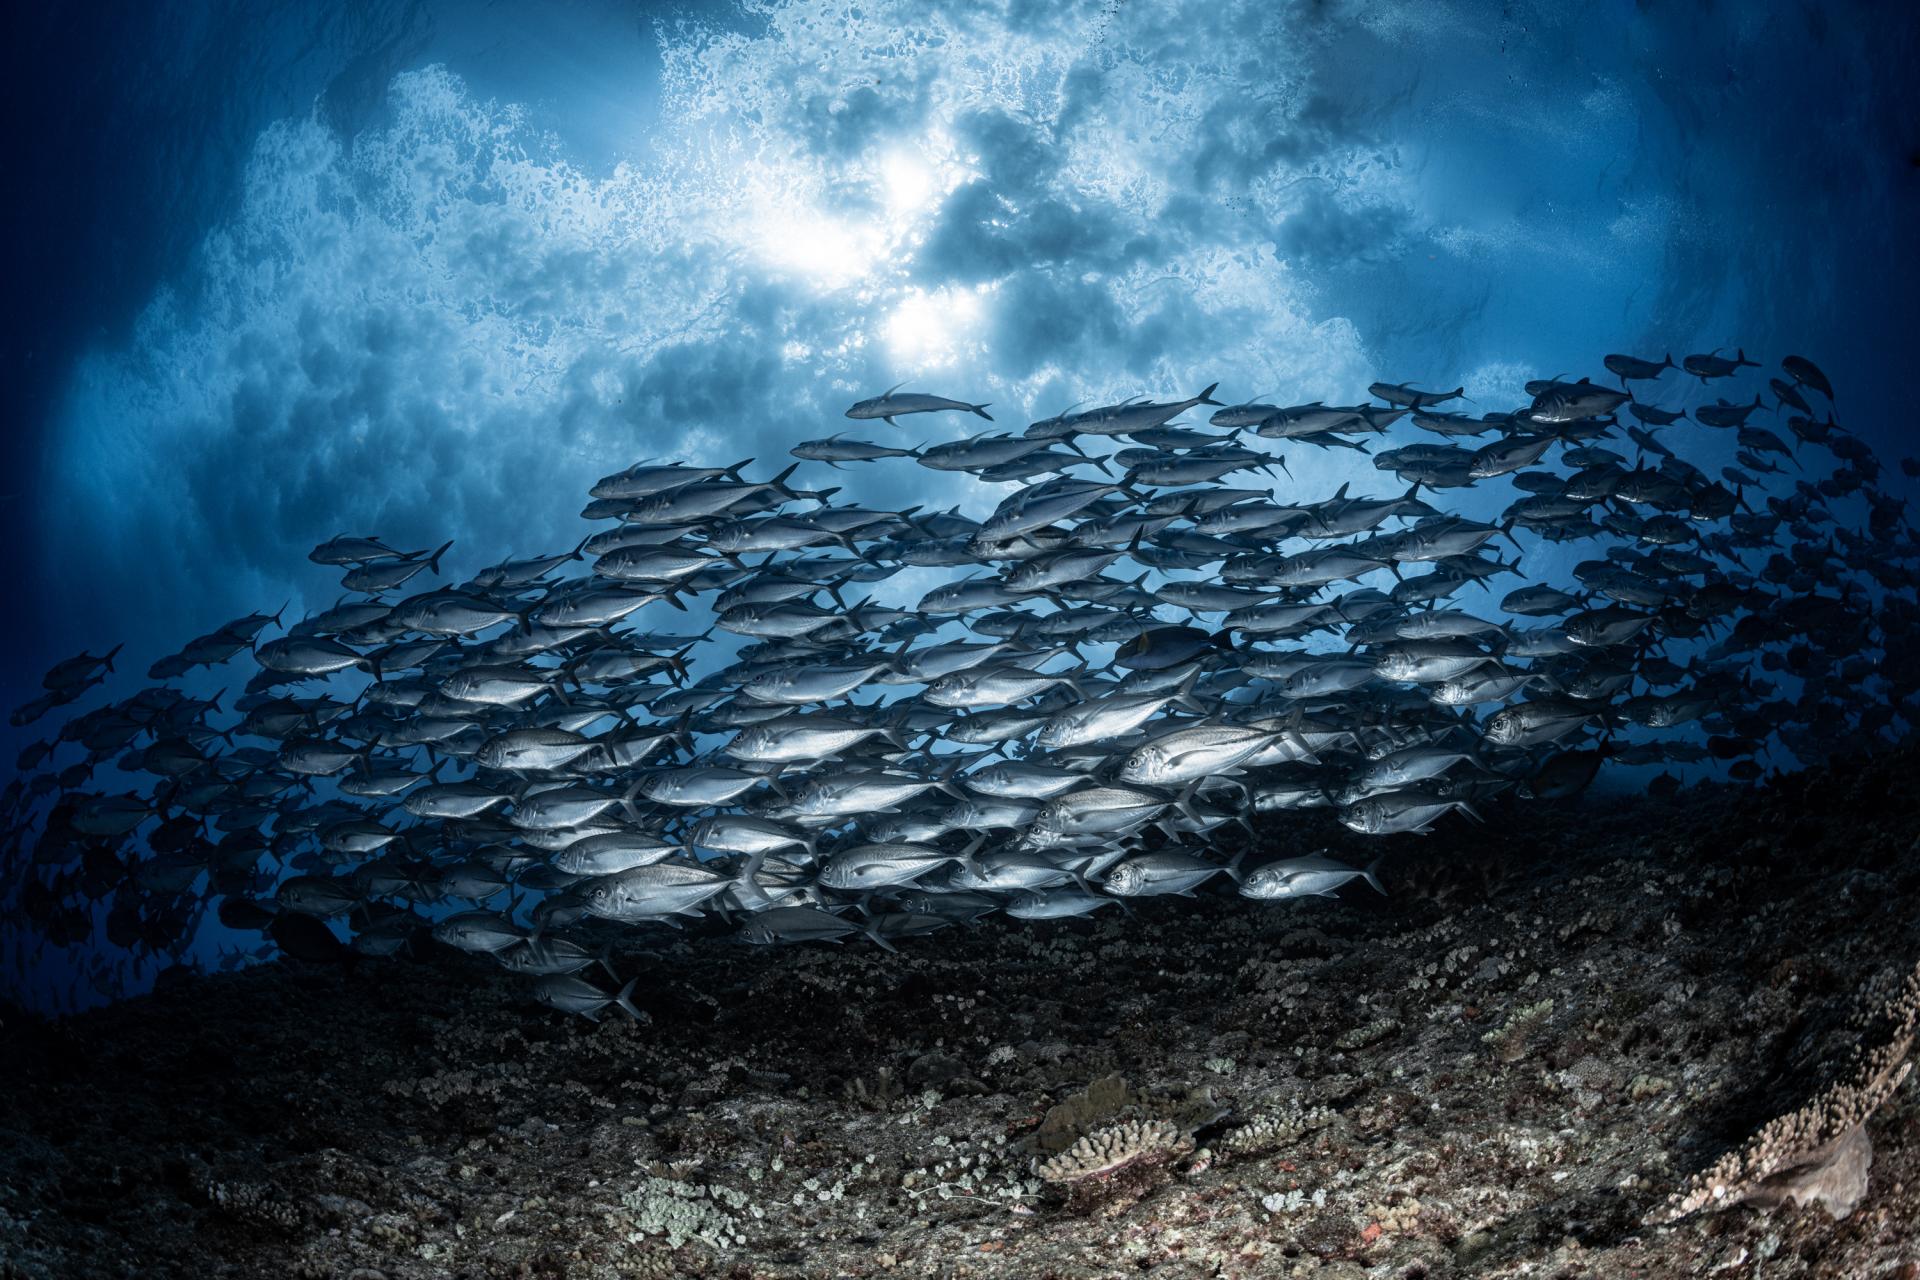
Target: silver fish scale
(874, 865)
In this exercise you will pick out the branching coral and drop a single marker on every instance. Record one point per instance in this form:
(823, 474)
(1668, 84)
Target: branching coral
(1275, 1129)
(1116, 1165)
(1819, 1154)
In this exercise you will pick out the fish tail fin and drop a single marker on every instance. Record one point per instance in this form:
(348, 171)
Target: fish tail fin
(1372, 875)
(1184, 802)
(967, 859)
(751, 868)
(1184, 694)
(625, 1000)
(626, 800)
(733, 472)
(1233, 864)
(107, 660)
(1668, 362)
(433, 561)
(981, 409)
(880, 939)
(1206, 397)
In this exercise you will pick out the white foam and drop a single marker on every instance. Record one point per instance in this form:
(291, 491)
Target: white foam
(444, 327)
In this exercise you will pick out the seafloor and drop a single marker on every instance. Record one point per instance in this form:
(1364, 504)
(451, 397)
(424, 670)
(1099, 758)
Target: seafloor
(1496, 1071)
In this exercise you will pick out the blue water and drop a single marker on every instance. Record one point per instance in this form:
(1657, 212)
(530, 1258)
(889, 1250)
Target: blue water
(425, 270)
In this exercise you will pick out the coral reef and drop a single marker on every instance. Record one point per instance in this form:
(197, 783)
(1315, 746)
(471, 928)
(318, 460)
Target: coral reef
(1246, 1089)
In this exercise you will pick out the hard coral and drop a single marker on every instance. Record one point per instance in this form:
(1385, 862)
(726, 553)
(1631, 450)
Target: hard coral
(1115, 1166)
(1819, 1154)
(1274, 1129)
(1069, 1121)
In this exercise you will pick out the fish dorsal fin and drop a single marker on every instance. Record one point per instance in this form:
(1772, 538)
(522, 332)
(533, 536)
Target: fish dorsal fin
(890, 390)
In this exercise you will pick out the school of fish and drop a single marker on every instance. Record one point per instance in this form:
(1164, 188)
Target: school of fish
(704, 710)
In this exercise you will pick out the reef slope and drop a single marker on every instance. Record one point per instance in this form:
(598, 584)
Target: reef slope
(1498, 1070)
